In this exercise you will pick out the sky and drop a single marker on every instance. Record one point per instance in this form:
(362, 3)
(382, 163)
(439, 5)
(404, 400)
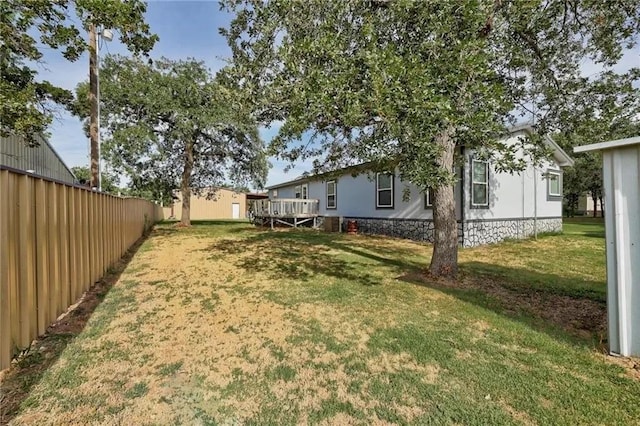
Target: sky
(186, 29)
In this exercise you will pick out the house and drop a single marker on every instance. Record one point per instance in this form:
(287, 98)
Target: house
(490, 206)
(587, 206)
(41, 160)
(223, 204)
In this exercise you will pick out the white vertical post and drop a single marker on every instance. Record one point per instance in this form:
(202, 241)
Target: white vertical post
(621, 179)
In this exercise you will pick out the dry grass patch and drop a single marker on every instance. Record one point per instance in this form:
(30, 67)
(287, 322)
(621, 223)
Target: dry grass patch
(226, 324)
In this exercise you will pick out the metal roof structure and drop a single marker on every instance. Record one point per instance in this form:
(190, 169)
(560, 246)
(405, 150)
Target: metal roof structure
(41, 160)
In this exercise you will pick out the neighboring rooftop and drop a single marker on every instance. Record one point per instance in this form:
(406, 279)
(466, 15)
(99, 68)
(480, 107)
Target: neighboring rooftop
(41, 160)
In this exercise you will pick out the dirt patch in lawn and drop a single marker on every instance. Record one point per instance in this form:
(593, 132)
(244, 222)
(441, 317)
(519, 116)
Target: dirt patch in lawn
(582, 317)
(631, 365)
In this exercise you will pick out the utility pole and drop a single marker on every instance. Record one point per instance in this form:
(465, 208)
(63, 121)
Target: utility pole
(93, 100)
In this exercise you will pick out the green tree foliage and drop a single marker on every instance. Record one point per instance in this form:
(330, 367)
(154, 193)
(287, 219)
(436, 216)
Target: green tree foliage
(170, 124)
(109, 180)
(402, 83)
(29, 26)
(607, 110)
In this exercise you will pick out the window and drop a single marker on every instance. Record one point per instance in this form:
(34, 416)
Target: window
(384, 190)
(332, 201)
(428, 199)
(302, 191)
(554, 185)
(274, 193)
(479, 183)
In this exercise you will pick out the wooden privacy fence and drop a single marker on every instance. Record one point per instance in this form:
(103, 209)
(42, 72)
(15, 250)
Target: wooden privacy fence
(56, 240)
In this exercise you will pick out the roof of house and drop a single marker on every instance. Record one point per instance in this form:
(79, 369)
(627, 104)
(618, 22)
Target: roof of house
(559, 155)
(608, 145)
(256, 196)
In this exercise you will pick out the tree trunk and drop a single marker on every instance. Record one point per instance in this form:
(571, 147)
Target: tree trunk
(185, 184)
(601, 206)
(93, 102)
(444, 262)
(594, 198)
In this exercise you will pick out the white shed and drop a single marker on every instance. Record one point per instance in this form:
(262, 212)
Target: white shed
(621, 176)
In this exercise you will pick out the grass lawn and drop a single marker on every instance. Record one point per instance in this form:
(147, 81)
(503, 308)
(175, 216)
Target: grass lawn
(225, 323)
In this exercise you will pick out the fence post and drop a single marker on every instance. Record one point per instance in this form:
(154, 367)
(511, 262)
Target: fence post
(26, 261)
(102, 235)
(63, 241)
(42, 256)
(86, 248)
(5, 306)
(92, 238)
(73, 247)
(79, 260)
(53, 247)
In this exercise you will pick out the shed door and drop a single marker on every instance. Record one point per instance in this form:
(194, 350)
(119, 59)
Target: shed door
(235, 210)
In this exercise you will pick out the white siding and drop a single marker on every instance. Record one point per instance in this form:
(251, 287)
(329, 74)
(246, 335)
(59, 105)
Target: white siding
(512, 196)
(356, 196)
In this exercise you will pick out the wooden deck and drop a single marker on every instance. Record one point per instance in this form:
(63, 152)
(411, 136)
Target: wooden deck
(286, 211)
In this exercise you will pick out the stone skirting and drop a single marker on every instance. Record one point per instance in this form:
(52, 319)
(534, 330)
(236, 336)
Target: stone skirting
(412, 229)
(482, 232)
(470, 233)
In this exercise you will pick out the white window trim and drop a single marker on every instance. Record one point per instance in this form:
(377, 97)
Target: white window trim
(301, 191)
(428, 202)
(474, 182)
(335, 195)
(559, 176)
(378, 190)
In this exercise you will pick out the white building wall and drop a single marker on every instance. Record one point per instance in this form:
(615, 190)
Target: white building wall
(515, 196)
(514, 200)
(356, 197)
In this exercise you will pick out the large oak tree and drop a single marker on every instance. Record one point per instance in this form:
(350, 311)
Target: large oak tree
(171, 124)
(401, 84)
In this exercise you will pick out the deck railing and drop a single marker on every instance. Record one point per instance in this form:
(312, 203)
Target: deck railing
(286, 207)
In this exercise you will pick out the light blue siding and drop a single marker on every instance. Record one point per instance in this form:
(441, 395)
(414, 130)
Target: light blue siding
(356, 197)
(511, 196)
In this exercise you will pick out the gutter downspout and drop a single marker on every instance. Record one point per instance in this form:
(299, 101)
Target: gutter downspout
(524, 214)
(462, 189)
(535, 202)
